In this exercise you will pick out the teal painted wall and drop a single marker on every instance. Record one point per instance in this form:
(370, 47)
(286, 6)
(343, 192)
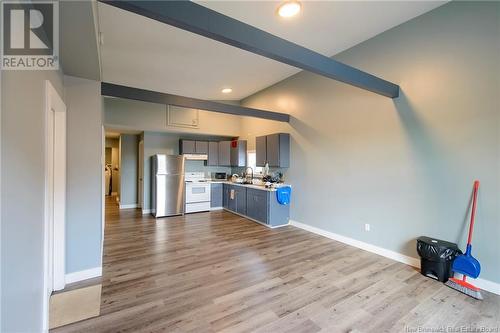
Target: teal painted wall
(129, 160)
(84, 174)
(405, 166)
(22, 197)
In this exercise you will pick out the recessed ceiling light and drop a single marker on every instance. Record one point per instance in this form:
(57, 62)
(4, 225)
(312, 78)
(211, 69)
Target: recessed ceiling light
(227, 90)
(289, 9)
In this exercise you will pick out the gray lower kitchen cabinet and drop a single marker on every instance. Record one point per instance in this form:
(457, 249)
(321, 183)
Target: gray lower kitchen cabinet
(277, 214)
(239, 153)
(216, 196)
(257, 205)
(225, 195)
(241, 199)
(260, 151)
(278, 150)
(237, 199)
(213, 153)
(231, 205)
(225, 153)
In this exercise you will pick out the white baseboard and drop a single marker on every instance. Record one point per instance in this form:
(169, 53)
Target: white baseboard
(487, 285)
(130, 206)
(415, 262)
(83, 275)
(146, 211)
(216, 208)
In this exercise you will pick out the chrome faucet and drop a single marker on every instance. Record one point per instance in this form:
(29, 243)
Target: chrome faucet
(246, 176)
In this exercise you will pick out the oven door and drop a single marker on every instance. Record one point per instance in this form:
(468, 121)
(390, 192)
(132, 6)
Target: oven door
(197, 192)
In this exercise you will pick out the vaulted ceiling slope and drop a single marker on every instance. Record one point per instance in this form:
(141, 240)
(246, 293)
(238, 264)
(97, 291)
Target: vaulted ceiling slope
(144, 53)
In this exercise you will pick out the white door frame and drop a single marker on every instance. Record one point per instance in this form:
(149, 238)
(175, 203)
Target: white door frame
(104, 190)
(55, 196)
(140, 183)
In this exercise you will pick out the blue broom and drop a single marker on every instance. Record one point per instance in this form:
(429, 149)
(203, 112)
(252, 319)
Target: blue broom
(466, 264)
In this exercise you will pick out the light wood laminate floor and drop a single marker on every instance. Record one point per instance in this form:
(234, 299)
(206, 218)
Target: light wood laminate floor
(218, 272)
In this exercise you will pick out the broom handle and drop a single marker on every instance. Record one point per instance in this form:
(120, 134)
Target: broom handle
(472, 217)
(473, 213)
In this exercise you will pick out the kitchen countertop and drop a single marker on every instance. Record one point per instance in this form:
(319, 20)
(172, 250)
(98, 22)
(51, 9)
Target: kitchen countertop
(258, 187)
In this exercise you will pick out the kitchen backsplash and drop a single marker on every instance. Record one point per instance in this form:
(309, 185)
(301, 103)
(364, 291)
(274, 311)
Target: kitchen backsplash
(199, 166)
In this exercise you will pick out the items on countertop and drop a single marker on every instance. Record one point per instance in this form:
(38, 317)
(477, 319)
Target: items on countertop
(275, 177)
(219, 175)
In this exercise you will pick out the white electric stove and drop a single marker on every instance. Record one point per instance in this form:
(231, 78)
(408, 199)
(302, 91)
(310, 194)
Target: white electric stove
(197, 192)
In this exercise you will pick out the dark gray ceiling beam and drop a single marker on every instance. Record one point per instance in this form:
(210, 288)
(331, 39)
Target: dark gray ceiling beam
(114, 90)
(203, 21)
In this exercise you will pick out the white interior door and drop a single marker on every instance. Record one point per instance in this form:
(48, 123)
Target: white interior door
(140, 183)
(55, 195)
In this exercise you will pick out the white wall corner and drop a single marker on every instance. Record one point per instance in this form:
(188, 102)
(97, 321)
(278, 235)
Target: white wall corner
(83, 275)
(415, 262)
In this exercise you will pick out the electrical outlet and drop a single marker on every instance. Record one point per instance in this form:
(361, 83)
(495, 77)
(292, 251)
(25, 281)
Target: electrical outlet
(367, 227)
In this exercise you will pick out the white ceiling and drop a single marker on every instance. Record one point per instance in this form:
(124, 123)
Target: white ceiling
(144, 53)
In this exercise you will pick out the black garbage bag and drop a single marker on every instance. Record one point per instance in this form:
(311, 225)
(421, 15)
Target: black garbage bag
(436, 249)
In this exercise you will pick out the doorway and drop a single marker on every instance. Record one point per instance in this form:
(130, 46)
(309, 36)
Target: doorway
(108, 171)
(55, 195)
(140, 185)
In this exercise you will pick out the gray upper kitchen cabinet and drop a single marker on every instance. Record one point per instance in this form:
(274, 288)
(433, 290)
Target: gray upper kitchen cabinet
(272, 150)
(225, 153)
(216, 195)
(213, 153)
(239, 153)
(278, 150)
(260, 151)
(193, 147)
(201, 147)
(187, 147)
